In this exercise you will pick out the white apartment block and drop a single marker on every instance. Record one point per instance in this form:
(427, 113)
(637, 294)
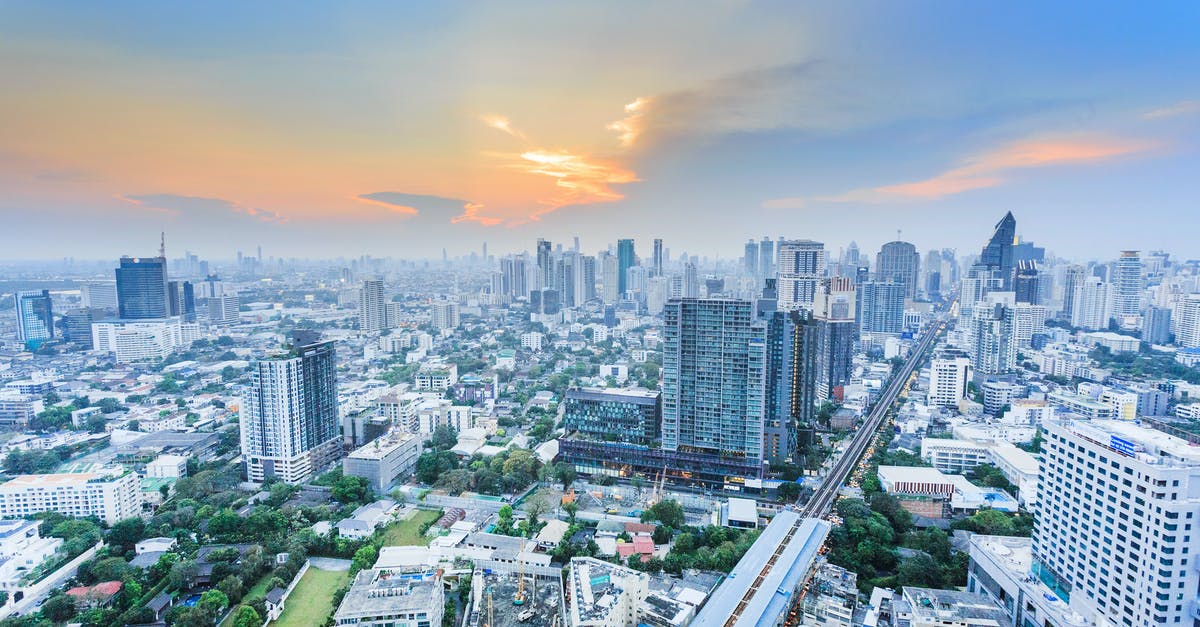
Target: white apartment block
(601, 594)
(948, 380)
(384, 460)
(436, 376)
(444, 314)
(111, 494)
(1119, 506)
(1187, 331)
(532, 341)
(143, 340)
(22, 549)
(954, 457)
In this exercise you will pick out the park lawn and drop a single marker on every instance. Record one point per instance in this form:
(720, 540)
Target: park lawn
(407, 532)
(312, 600)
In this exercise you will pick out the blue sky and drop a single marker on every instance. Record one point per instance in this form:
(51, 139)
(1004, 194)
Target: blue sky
(321, 129)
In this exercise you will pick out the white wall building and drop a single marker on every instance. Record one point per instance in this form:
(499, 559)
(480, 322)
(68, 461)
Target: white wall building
(110, 494)
(143, 340)
(603, 594)
(948, 380)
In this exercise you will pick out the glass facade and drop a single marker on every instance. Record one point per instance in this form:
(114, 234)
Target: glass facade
(142, 288)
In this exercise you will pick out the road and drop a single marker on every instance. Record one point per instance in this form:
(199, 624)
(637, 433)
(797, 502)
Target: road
(825, 494)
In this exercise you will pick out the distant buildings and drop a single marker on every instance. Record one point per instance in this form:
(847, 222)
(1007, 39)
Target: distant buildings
(143, 339)
(289, 415)
(142, 288)
(800, 270)
(881, 307)
(1090, 309)
(372, 307)
(443, 315)
(997, 255)
(110, 494)
(899, 262)
(1187, 334)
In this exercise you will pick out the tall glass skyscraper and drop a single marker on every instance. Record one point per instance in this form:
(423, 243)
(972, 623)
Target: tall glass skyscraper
(791, 377)
(624, 263)
(714, 376)
(881, 307)
(997, 254)
(35, 317)
(142, 288)
(899, 262)
(289, 420)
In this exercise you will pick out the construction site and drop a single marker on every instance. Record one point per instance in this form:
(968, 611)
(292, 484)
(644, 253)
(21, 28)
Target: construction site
(598, 502)
(519, 598)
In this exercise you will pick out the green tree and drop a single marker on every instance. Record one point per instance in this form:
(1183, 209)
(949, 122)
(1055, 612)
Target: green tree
(351, 489)
(245, 616)
(213, 601)
(668, 512)
(789, 491)
(444, 438)
(58, 608)
(364, 557)
(126, 533)
(921, 571)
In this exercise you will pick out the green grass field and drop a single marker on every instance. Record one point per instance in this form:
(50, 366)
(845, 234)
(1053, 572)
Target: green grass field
(312, 600)
(408, 532)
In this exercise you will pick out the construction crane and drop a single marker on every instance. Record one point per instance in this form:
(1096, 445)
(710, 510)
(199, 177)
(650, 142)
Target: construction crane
(520, 598)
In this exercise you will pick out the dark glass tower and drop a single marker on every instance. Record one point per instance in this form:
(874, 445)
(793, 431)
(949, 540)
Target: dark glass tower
(624, 263)
(35, 317)
(997, 254)
(142, 288)
(791, 377)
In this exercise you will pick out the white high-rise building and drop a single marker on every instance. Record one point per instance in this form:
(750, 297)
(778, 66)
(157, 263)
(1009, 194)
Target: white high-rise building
(948, 378)
(993, 336)
(1093, 302)
(224, 309)
(1028, 320)
(289, 416)
(1187, 333)
(1127, 285)
(800, 270)
(1117, 515)
(143, 340)
(444, 314)
(610, 270)
(372, 308)
(98, 295)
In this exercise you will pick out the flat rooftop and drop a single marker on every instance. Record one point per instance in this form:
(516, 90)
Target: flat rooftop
(944, 606)
(1147, 440)
(377, 592)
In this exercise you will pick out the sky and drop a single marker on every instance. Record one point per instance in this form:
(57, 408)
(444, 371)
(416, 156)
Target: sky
(322, 129)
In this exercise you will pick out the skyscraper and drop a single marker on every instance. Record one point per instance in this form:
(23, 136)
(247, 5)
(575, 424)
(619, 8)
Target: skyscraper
(801, 267)
(609, 268)
(691, 280)
(766, 258)
(181, 298)
(513, 276)
(1072, 279)
(880, 307)
(1156, 327)
(35, 317)
(750, 259)
(1187, 332)
(834, 312)
(545, 264)
(1127, 284)
(713, 378)
(289, 418)
(997, 254)
(993, 341)
(372, 307)
(1092, 304)
(1116, 522)
(142, 288)
(1027, 283)
(657, 268)
(899, 262)
(625, 261)
(792, 339)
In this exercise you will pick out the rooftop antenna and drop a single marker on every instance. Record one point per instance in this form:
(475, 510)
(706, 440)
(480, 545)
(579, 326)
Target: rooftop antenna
(162, 244)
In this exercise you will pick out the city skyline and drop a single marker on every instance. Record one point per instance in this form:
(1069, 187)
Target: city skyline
(317, 132)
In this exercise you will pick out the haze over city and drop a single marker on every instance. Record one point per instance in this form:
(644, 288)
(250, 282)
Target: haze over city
(322, 129)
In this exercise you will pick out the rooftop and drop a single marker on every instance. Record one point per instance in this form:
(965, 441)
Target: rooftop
(378, 592)
(942, 606)
(596, 587)
(1133, 440)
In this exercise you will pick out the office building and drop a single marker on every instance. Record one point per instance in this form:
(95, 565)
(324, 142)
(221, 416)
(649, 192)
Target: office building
(750, 259)
(656, 267)
(224, 309)
(289, 416)
(766, 258)
(948, 379)
(1027, 283)
(372, 307)
(79, 325)
(691, 280)
(1156, 325)
(601, 594)
(713, 378)
(142, 288)
(181, 300)
(880, 307)
(35, 317)
(799, 273)
(1092, 304)
(611, 271)
(625, 261)
(1127, 285)
(626, 415)
(381, 597)
(111, 494)
(1116, 516)
(1073, 277)
(384, 460)
(899, 262)
(1187, 332)
(17, 409)
(997, 255)
(545, 264)
(513, 270)
(585, 280)
(99, 295)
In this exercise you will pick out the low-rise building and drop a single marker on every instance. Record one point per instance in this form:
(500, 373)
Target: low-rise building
(366, 519)
(954, 456)
(167, 467)
(600, 594)
(110, 494)
(22, 549)
(924, 607)
(380, 597)
(384, 460)
(1002, 569)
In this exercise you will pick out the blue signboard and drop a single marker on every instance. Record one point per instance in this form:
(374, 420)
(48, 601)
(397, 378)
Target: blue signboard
(1121, 445)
